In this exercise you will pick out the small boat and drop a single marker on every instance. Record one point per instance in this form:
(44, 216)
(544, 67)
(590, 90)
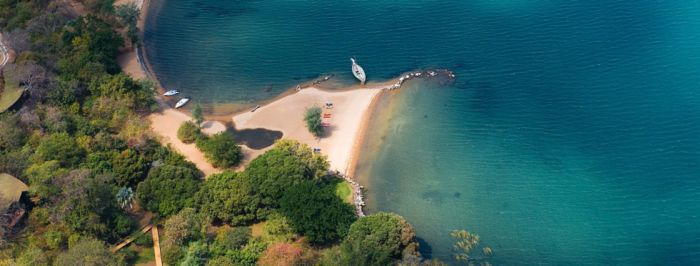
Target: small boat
(255, 109)
(182, 102)
(358, 71)
(171, 93)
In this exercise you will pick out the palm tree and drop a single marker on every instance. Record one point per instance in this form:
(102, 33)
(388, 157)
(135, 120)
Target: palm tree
(125, 196)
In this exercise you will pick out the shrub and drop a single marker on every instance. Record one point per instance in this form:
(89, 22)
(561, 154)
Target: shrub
(313, 120)
(188, 132)
(220, 150)
(167, 189)
(378, 239)
(316, 212)
(234, 238)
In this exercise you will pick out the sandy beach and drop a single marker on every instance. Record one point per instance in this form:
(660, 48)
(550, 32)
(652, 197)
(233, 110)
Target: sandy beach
(166, 121)
(165, 124)
(349, 113)
(341, 144)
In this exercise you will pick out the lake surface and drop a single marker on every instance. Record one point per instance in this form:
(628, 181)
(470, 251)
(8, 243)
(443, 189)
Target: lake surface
(570, 137)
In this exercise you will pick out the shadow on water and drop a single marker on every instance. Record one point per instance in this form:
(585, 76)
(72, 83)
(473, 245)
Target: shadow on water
(425, 249)
(258, 138)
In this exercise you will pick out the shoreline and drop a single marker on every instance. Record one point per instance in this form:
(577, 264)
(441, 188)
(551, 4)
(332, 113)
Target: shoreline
(342, 150)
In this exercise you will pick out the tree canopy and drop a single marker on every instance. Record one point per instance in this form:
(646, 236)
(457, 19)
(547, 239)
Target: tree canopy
(188, 132)
(226, 197)
(313, 120)
(168, 189)
(220, 149)
(378, 239)
(87, 252)
(316, 212)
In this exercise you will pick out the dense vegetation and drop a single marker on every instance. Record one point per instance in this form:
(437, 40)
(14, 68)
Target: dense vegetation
(80, 142)
(313, 120)
(79, 136)
(220, 149)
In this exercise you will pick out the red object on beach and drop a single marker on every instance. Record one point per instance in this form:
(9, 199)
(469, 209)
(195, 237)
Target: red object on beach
(326, 115)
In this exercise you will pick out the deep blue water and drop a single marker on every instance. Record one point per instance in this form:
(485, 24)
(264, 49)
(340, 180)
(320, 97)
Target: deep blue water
(571, 135)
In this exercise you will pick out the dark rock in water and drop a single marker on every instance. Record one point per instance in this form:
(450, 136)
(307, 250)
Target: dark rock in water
(425, 116)
(457, 195)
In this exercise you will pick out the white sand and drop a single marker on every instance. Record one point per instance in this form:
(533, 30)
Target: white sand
(165, 125)
(286, 114)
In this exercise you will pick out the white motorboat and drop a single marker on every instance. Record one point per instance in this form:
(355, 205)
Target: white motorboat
(182, 102)
(171, 93)
(358, 71)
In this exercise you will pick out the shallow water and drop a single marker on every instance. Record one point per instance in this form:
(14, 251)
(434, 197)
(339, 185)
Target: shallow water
(569, 138)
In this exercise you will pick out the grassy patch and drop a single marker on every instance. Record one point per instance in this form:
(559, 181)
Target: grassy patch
(344, 191)
(10, 93)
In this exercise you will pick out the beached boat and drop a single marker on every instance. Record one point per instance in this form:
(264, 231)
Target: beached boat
(255, 109)
(182, 102)
(358, 71)
(171, 93)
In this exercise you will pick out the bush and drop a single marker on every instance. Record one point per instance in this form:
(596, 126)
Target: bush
(313, 120)
(226, 197)
(234, 238)
(60, 147)
(220, 150)
(168, 189)
(378, 239)
(188, 132)
(316, 212)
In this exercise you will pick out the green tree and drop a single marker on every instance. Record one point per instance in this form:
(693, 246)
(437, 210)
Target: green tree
(168, 189)
(196, 255)
(184, 227)
(11, 136)
(286, 164)
(312, 117)
(197, 114)
(32, 256)
(87, 252)
(316, 212)
(60, 147)
(129, 168)
(93, 44)
(41, 178)
(234, 238)
(378, 239)
(122, 87)
(129, 14)
(221, 150)
(226, 197)
(277, 229)
(188, 132)
(87, 205)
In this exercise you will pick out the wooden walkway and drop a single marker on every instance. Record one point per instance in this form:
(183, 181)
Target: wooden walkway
(156, 246)
(130, 239)
(156, 242)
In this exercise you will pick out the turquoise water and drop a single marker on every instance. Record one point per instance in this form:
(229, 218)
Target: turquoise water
(571, 136)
